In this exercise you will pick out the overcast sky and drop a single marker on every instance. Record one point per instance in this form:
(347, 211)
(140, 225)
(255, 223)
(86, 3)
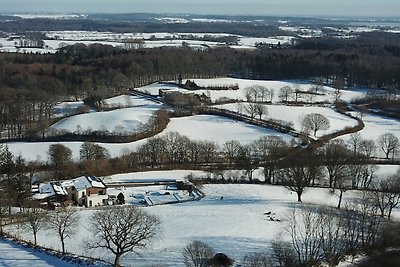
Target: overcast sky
(378, 8)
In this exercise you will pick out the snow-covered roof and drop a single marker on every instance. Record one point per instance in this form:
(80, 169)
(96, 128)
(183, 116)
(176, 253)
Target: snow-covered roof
(50, 189)
(83, 182)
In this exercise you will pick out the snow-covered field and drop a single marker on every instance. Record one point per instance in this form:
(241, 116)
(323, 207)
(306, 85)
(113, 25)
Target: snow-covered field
(295, 114)
(376, 125)
(126, 120)
(135, 111)
(219, 129)
(67, 108)
(200, 127)
(274, 86)
(235, 225)
(19, 256)
(58, 39)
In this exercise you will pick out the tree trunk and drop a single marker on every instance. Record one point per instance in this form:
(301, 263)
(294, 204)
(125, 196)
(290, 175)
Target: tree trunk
(116, 261)
(340, 199)
(298, 196)
(63, 245)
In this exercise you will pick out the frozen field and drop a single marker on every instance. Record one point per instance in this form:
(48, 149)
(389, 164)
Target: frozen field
(295, 115)
(235, 225)
(200, 127)
(127, 120)
(58, 39)
(274, 86)
(136, 111)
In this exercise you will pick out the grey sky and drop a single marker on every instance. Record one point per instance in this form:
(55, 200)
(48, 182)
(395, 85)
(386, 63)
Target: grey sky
(378, 8)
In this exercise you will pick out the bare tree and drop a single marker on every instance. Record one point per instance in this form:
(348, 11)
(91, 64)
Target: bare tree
(361, 223)
(389, 144)
(303, 228)
(285, 92)
(36, 220)
(252, 92)
(386, 194)
(248, 160)
(208, 151)
(335, 158)
(153, 151)
(252, 109)
(315, 122)
(232, 150)
(338, 85)
(294, 175)
(342, 183)
(64, 221)
(264, 93)
(261, 110)
(368, 148)
(318, 85)
(362, 174)
(122, 229)
(176, 147)
(92, 151)
(355, 142)
(197, 254)
(283, 253)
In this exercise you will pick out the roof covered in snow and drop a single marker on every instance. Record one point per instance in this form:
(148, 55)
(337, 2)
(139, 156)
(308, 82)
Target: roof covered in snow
(84, 182)
(50, 189)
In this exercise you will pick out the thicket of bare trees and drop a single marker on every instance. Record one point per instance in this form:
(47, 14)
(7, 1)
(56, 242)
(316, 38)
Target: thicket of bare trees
(321, 234)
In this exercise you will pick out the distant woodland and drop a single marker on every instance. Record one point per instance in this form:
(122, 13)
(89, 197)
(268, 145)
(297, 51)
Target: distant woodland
(31, 84)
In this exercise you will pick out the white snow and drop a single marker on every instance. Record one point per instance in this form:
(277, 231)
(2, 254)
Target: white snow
(235, 225)
(211, 128)
(218, 129)
(295, 115)
(121, 101)
(327, 96)
(128, 119)
(137, 176)
(200, 127)
(67, 108)
(19, 256)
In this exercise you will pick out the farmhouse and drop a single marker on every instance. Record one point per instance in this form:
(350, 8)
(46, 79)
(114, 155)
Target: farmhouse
(86, 191)
(51, 194)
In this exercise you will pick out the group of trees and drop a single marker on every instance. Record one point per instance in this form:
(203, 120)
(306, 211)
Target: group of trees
(323, 234)
(339, 165)
(119, 230)
(175, 149)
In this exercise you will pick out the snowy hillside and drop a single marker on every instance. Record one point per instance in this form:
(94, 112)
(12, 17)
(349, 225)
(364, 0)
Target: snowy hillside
(236, 225)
